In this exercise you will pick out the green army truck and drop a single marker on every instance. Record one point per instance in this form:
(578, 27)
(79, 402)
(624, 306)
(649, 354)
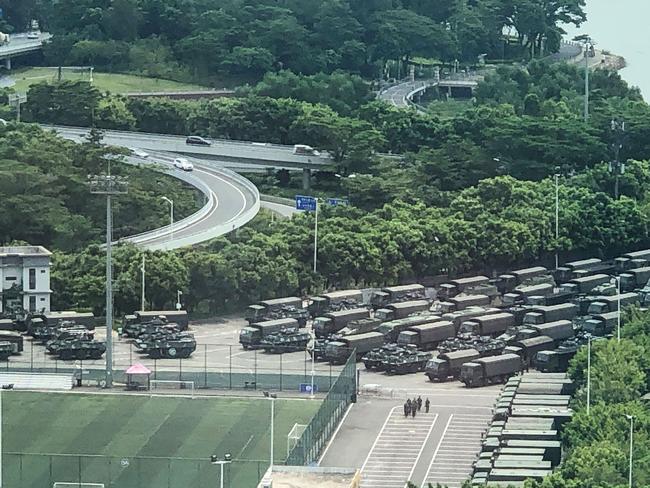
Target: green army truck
(337, 352)
(448, 365)
(251, 337)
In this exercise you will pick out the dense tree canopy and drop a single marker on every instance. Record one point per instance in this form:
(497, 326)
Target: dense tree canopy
(210, 39)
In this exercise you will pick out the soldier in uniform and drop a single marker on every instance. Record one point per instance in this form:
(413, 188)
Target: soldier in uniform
(414, 408)
(419, 400)
(427, 404)
(407, 409)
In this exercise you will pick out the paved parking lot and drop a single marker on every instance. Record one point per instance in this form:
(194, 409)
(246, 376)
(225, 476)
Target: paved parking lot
(397, 449)
(436, 447)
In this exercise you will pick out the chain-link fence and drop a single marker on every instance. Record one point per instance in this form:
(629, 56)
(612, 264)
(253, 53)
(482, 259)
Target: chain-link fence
(44, 470)
(323, 424)
(215, 366)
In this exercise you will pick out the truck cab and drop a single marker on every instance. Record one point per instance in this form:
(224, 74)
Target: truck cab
(323, 326)
(471, 373)
(250, 336)
(437, 369)
(407, 337)
(254, 313)
(384, 314)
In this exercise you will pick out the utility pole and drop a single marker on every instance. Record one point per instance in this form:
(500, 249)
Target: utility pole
(316, 236)
(108, 185)
(617, 167)
(631, 419)
(143, 301)
(171, 218)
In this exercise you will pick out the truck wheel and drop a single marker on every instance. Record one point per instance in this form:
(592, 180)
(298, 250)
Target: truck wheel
(172, 352)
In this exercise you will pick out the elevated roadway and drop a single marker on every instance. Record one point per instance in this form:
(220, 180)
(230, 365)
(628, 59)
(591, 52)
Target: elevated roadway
(21, 44)
(401, 95)
(224, 151)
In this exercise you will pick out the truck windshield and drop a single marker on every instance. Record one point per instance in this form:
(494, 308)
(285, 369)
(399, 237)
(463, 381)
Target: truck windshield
(467, 327)
(321, 322)
(543, 357)
(597, 308)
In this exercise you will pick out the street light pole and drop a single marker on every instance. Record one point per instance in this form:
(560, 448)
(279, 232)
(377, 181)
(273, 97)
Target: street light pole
(171, 217)
(557, 217)
(108, 185)
(316, 236)
(143, 301)
(587, 80)
(313, 337)
(631, 419)
(272, 397)
(588, 374)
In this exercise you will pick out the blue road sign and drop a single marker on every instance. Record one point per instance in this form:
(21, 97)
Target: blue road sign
(305, 203)
(338, 201)
(306, 388)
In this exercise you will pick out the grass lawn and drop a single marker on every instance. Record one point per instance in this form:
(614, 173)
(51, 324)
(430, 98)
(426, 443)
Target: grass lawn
(449, 108)
(133, 439)
(115, 83)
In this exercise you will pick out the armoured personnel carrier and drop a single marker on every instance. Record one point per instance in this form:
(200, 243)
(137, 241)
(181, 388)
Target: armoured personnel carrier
(80, 349)
(485, 345)
(409, 362)
(375, 358)
(172, 348)
(286, 341)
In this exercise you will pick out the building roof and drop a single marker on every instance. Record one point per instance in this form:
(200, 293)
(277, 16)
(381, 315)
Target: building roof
(24, 251)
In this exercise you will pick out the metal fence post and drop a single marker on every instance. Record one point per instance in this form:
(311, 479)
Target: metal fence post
(130, 353)
(305, 361)
(330, 376)
(31, 358)
(180, 370)
(155, 369)
(281, 356)
(230, 367)
(255, 379)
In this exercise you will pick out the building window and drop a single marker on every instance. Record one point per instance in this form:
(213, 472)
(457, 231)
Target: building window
(42, 299)
(10, 278)
(42, 271)
(32, 304)
(32, 279)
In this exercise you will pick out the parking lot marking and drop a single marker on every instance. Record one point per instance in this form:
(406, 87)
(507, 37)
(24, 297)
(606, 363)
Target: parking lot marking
(396, 450)
(457, 449)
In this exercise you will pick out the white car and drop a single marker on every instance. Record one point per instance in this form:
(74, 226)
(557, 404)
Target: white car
(139, 153)
(184, 164)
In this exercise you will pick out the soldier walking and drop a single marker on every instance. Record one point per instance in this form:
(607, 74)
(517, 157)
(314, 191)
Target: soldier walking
(414, 408)
(407, 409)
(419, 400)
(427, 404)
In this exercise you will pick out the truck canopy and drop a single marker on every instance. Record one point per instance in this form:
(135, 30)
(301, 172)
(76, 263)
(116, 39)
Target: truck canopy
(340, 295)
(558, 330)
(464, 301)
(644, 254)
(404, 289)
(281, 323)
(525, 274)
(582, 264)
(587, 283)
(434, 332)
(355, 313)
(282, 302)
(463, 283)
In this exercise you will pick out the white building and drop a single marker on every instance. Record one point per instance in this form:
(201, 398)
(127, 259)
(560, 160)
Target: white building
(25, 278)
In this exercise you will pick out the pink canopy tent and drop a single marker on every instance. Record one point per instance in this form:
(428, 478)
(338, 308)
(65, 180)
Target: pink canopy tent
(137, 377)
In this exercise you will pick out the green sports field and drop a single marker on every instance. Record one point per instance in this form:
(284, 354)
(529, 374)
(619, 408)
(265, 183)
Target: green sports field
(130, 441)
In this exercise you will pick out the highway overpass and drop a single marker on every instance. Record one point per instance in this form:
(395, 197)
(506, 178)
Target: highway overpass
(20, 44)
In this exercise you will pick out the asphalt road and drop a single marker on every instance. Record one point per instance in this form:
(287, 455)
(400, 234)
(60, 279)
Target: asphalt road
(19, 44)
(230, 201)
(263, 154)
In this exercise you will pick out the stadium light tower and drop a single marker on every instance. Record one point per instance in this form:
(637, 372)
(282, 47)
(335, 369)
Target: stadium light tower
(4, 387)
(108, 185)
(227, 459)
(272, 397)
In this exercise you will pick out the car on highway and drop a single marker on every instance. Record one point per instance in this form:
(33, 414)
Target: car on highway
(34, 35)
(197, 141)
(184, 164)
(139, 153)
(306, 150)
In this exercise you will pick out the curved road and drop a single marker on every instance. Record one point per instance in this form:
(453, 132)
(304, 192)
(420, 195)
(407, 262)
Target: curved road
(232, 201)
(231, 204)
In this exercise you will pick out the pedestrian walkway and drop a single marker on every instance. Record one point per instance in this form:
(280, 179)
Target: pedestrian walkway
(397, 449)
(458, 448)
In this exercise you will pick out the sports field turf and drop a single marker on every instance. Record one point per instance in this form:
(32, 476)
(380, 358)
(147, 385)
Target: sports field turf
(141, 441)
(113, 82)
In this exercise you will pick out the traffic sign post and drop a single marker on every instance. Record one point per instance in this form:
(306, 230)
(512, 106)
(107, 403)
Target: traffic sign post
(310, 204)
(334, 202)
(308, 388)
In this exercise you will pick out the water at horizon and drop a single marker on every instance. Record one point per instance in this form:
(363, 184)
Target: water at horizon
(621, 27)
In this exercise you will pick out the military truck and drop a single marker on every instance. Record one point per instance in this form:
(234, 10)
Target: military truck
(392, 329)
(376, 358)
(332, 322)
(494, 369)
(411, 362)
(337, 352)
(53, 319)
(401, 310)
(251, 337)
(451, 288)
(6, 350)
(359, 326)
(448, 365)
(552, 299)
(556, 360)
(558, 330)
(286, 341)
(459, 317)
(553, 313)
(178, 317)
(335, 301)
(521, 294)
(461, 302)
(427, 336)
(610, 304)
(528, 348)
(600, 324)
(568, 271)
(509, 281)
(488, 325)
(394, 294)
(273, 309)
(634, 278)
(584, 284)
(631, 260)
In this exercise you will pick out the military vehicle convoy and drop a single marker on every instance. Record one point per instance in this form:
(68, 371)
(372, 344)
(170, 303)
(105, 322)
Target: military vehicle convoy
(400, 310)
(335, 301)
(427, 336)
(337, 352)
(448, 365)
(395, 294)
(286, 340)
(251, 337)
(277, 308)
(410, 362)
(494, 369)
(332, 322)
(455, 287)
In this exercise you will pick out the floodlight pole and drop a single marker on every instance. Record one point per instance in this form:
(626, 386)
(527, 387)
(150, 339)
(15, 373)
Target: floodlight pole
(316, 236)
(108, 185)
(143, 301)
